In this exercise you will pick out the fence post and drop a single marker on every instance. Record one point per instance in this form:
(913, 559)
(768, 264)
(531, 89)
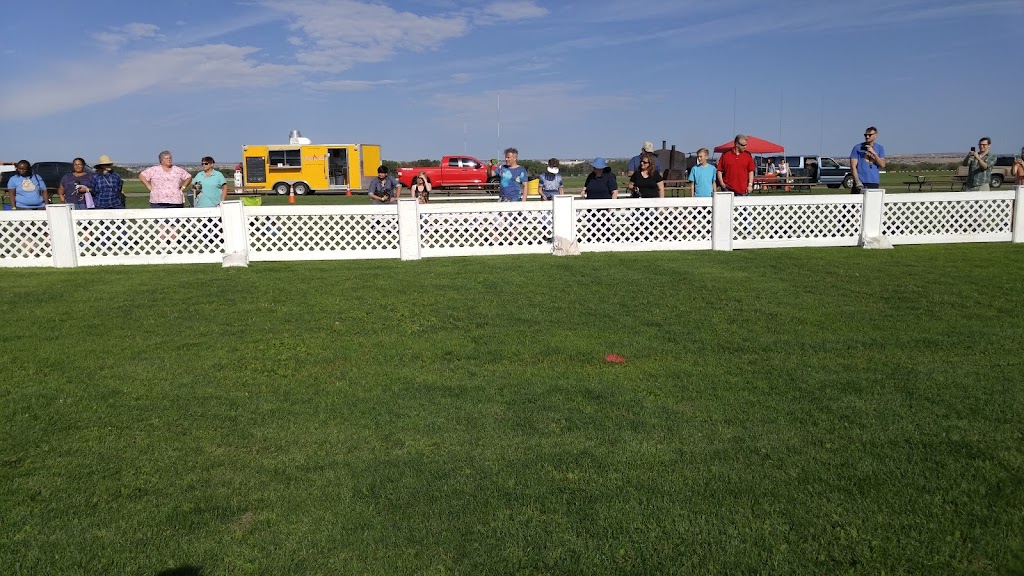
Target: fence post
(63, 240)
(409, 228)
(564, 217)
(1018, 215)
(721, 221)
(236, 240)
(871, 215)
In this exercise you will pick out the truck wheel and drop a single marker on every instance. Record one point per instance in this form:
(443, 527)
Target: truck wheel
(848, 181)
(301, 188)
(281, 188)
(996, 182)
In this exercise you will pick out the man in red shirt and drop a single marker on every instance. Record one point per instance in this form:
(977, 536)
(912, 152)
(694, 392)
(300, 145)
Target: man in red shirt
(736, 168)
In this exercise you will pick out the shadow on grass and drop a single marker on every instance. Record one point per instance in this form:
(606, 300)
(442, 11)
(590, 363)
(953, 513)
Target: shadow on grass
(182, 571)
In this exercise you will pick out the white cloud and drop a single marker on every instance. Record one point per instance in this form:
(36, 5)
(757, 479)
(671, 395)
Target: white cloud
(117, 37)
(214, 66)
(350, 85)
(512, 10)
(340, 34)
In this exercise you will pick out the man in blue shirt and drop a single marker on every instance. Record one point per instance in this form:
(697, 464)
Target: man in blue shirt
(865, 160)
(634, 162)
(513, 178)
(385, 189)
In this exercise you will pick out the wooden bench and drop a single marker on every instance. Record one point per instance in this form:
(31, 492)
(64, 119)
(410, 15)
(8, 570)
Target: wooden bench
(792, 184)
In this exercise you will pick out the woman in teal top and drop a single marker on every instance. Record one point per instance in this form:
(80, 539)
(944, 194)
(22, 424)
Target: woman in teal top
(214, 186)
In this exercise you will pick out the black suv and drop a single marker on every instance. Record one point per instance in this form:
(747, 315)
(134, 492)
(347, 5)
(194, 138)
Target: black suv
(50, 172)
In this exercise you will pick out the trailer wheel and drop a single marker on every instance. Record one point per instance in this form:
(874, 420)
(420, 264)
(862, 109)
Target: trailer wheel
(281, 188)
(301, 188)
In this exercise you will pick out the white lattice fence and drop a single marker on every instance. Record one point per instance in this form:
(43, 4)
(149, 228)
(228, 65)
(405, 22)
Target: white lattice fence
(949, 217)
(321, 232)
(648, 224)
(824, 220)
(157, 236)
(485, 228)
(25, 239)
(236, 234)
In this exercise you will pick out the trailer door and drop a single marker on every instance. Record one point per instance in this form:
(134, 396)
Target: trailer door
(337, 167)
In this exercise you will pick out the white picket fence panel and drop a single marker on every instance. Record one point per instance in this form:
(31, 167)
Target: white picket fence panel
(235, 234)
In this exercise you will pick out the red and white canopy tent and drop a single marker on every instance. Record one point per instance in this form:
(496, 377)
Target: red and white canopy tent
(754, 146)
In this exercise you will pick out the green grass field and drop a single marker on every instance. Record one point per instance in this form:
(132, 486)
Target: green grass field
(798, 411)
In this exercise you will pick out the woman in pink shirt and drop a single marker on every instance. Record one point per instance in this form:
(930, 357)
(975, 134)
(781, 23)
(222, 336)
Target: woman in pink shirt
(166, 183)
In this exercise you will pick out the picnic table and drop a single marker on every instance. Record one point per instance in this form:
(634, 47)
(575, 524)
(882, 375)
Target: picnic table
(954, 182)
(677, 188)
(766, 183)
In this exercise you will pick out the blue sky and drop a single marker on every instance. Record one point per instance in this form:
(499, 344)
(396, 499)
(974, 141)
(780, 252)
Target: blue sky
(575, 79)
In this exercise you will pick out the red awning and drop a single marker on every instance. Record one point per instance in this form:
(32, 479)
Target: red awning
(754, 146)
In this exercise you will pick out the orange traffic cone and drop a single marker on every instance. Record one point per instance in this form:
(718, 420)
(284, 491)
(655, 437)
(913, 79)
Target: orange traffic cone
(291, 195)
(348, 192)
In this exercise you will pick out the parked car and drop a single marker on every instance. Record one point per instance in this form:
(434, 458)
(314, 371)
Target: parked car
(821, 169)
(50, 172)
(454, 172)
(1002, 171)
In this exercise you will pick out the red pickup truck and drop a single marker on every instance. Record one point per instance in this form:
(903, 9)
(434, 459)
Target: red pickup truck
(454, 172)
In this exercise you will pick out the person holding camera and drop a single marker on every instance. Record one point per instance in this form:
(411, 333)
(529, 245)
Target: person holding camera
(979, 166)
(865, 161)
(209, 186)
(385, 189)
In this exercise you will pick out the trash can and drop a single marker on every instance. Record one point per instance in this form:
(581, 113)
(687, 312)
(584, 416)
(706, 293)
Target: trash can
(533, 187)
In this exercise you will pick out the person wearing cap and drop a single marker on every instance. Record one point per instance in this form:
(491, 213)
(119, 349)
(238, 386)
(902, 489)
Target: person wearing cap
(551, 181)
(634, 162)
(107, 185)
(601, 183)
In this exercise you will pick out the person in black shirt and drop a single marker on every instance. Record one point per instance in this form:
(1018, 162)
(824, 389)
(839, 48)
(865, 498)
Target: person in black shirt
(601, 183)
(646, 181)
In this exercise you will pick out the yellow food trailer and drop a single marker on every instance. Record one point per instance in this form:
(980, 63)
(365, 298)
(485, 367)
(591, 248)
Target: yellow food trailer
(308, 168)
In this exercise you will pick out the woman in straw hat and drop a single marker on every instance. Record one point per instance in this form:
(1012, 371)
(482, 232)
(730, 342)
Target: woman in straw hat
(107, 186)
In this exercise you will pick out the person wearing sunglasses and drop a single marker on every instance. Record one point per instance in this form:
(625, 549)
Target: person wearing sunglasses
(647, 181)
(212, 186)
(736, 168)
(866, 160)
